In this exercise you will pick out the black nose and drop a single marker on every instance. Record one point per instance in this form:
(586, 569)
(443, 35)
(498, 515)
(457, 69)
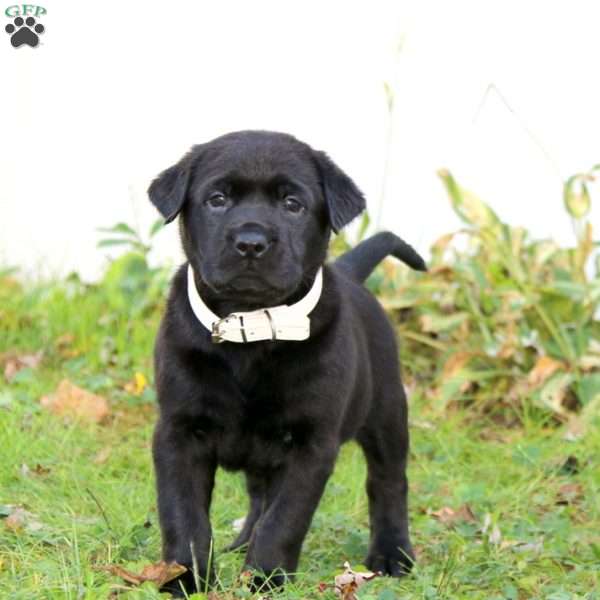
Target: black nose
(251, 244)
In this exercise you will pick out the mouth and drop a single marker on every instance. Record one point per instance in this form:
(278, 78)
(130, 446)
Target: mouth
(250, 284)
(252, 287)
(246, 285)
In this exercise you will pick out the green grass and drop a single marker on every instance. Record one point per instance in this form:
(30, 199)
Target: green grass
(86, 514)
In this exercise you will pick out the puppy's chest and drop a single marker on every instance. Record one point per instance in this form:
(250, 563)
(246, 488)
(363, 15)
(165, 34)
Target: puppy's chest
(264, 428)
(260, 437)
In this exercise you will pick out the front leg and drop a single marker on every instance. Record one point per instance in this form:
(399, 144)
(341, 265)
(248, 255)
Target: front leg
(277, 540)
(185, 471)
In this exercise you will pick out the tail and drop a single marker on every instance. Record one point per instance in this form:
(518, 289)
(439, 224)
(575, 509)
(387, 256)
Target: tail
(362, 259)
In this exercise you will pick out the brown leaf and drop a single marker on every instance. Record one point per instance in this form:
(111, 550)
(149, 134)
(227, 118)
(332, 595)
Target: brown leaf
(13, 363)
(39, 470)
(455, 364)
(348, 582)
(449, 516)
(569, 493)
(16, 520)
(158, 573)
(544, 368)
(20, 519)
(75, 402)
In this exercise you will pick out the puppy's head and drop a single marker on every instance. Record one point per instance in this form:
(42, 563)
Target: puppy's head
(256, 211)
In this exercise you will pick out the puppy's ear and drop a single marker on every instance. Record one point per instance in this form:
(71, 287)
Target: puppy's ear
(169, 190)
(344, 200)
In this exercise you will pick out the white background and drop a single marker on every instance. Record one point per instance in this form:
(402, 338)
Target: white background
(117, 91)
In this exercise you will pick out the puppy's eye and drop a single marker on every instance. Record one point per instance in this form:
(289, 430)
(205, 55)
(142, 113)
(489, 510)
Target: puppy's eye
(216, 200)
(292, 205)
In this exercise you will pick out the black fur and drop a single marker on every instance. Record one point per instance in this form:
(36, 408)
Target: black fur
(360, 261)
(278, 410)
(344, 200)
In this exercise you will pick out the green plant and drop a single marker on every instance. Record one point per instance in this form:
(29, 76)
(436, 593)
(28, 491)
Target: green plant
(501, 320)
(131, 284)
(122, 234)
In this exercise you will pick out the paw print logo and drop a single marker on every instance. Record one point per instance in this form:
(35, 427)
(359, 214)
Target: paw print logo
(24, 32)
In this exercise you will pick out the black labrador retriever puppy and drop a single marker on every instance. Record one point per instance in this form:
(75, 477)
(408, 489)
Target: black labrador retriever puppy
(267, 360)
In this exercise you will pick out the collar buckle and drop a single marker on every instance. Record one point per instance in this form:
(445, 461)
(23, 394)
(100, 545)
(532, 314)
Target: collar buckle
(215, 335)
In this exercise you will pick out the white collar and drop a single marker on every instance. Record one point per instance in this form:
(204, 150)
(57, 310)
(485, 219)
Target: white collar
(284, 322)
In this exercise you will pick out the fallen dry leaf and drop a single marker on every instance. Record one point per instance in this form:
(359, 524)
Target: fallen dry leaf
(20, 519)
(569, 493)
(349, 581)
(455, 364)
(158, 573)
(13, 363)
(544, 368)
(75, 402)
(16, 520)
(26, 471)
(449, 516)
(40, 470)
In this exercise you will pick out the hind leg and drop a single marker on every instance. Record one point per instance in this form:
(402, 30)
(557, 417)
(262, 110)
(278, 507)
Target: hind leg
(261, 490)
(384, 440)
(256, 487)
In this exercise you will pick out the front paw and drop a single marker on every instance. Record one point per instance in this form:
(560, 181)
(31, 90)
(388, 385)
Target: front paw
(391, 557)
(188, 583)
(265, 580)
(270, 566)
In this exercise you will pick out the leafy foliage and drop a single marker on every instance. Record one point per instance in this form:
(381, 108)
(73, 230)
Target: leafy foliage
(130, 283)
(494, 306)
